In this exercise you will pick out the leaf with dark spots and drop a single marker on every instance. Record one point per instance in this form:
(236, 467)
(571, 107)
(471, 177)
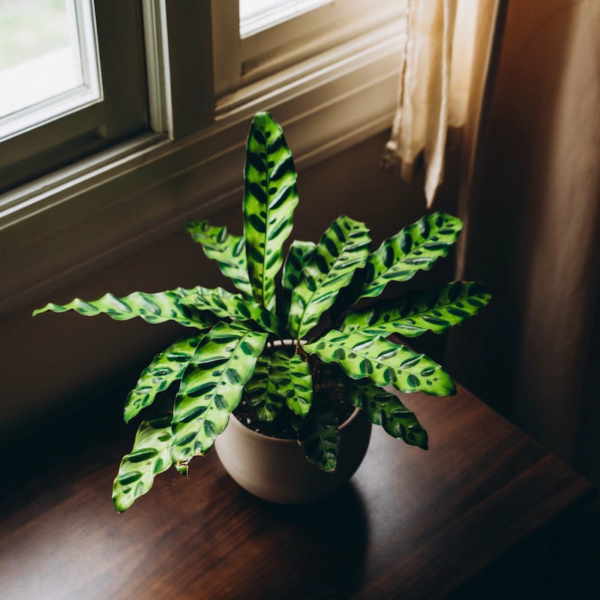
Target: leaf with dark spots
(382, 361)
(278, 201)
(386, 410)
(321, 263)
(233, 376)
(166, 368)
(210, 429)
(413, 381)
(142, 455)
(258, 136)
(401, 256)
(258, 224)
(226, 305)
(330, 268)
(193, 414)
(129, 478)
(274, 192)
(226, 249)
(149, 457)
(196, 392)
(388, 257)
(256, 162)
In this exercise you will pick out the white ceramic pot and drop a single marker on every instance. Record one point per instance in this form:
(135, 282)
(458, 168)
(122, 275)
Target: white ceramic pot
(277, 470)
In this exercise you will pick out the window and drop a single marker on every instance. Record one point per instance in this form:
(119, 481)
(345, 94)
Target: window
(178, 82)
(48, 61)
(73, 81)
(258, 38)
(258, 15)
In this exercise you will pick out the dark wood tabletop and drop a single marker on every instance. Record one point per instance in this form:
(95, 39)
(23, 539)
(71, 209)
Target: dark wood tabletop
(411, 524)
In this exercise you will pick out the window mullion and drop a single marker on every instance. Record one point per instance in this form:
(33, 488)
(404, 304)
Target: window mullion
(185, 38)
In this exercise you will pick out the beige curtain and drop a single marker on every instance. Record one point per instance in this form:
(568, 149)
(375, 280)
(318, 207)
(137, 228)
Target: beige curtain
(442, 80)
(533, 232)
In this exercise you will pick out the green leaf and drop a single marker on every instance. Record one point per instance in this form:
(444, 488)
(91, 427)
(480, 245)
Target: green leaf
(165, 368)
(318, 433)
(225, 304)
(228, 250)
(262, 391)
(414, 248)
(153, 308)
(280, 379)
(149, 457)
(383, 362)
(386, 410)
(299, 392)
(343, 249)
(414, 313)
(298, 256)
(212, 387)
(270, 196)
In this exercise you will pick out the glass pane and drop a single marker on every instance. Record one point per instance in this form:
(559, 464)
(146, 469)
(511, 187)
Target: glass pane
(256, 15)
(47, 52)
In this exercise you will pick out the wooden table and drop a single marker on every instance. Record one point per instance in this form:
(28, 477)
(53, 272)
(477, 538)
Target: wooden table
(411, 524)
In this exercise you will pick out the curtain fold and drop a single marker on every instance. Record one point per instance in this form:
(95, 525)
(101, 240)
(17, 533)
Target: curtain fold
(532, 231)
(440, 80)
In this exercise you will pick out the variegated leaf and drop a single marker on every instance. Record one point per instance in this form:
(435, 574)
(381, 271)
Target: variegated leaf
(153, 308)
(279, 378)
(414, 313)
(343, 249)
(262, 391)
(270, 196)
(415, 247)
(149, 457)
(298, 256)
(165, 368)
(386, 410)
(225, 304)
(228, 250)
(212, 386)
(295, 383)
(383, 362)
(318, 433)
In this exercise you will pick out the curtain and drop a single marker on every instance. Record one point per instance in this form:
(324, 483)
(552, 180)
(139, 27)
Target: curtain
(533, 218)
(443, 72)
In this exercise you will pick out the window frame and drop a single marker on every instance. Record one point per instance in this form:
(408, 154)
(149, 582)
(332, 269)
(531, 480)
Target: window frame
(120, 112)
(239, 62)
(58, 227)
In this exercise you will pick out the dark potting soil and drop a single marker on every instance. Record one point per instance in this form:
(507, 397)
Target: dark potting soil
(324, 389)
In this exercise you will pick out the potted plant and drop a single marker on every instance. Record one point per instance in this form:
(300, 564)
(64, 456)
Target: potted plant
(259, 345)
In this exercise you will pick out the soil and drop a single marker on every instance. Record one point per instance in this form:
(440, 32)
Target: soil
(281, 427)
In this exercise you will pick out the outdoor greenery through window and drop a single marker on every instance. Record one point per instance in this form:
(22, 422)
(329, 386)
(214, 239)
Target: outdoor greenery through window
(48, 63)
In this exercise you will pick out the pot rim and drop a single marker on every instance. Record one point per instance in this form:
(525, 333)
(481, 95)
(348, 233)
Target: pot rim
(345, 424)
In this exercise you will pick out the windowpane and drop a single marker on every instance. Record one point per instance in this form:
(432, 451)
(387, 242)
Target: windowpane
(256, 15)
(48, 63)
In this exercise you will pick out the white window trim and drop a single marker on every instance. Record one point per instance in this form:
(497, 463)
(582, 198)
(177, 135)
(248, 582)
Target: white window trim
(247, 60)
(90, 214)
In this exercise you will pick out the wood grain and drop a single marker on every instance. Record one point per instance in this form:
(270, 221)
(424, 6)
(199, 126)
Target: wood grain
(411, 524)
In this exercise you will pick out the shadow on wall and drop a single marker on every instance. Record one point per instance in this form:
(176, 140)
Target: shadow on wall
(54, 361)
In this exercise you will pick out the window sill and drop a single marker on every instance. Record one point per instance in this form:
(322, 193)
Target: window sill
(92, 213)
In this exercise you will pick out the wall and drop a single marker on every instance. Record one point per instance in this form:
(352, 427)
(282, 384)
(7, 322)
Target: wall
(534, 226)
(52, 361)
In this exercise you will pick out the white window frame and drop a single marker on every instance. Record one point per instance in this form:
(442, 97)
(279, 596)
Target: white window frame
(239, 61)
(83, 129)
(91, 213)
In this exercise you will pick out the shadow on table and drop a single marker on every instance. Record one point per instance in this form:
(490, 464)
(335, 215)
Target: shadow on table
(330, 535)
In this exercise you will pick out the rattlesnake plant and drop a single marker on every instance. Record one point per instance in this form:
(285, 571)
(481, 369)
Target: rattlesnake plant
(229, 348)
